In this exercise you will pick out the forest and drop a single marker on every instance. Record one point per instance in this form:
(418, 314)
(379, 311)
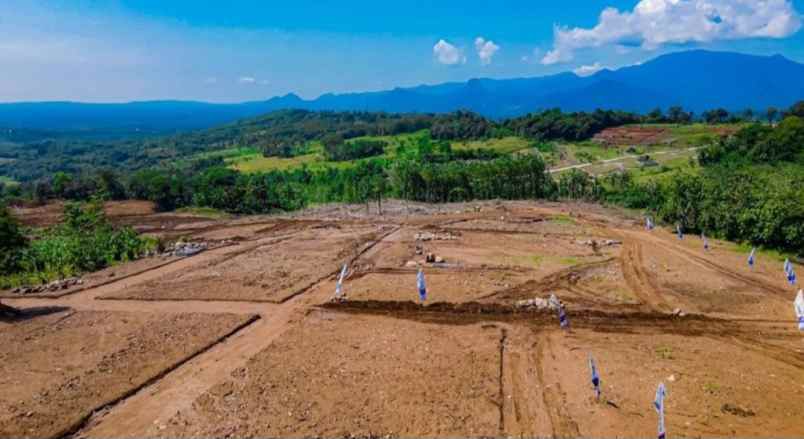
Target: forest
(743, 187)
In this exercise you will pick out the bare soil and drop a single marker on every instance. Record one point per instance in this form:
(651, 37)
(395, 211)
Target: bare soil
(649, 307)
(56, 368)
(271, 272)
(336, 375)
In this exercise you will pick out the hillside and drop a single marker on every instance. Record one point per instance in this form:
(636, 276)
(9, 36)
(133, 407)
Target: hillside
(697, 80)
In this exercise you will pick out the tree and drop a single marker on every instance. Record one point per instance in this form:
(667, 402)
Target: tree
(655, 116)
(677, 114)
(110, 187)
(718, 115)
(772, 112)
(11, 240)
(796, 110)
(60, 184)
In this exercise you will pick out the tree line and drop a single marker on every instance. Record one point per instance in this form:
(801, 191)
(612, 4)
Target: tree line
(28, 156)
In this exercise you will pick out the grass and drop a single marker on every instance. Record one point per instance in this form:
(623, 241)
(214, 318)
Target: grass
(696, 134)
(533, 261)
(250, 160)
(505, 145)
(711, 388)
(563, 219)
(7, 181)
(668, 164)
(745, 248)
(664, 352)
(256, 162)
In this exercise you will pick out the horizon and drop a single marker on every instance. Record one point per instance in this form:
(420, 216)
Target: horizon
(313, 98)
(61, 51)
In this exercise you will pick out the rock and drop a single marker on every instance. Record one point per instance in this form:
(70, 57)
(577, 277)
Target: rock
(189, 249)
(737, 410)
(411, 264)
(679, 313)
(536, 303)
(671, 378)
(429, 236)
(438, 260)
(430, 258)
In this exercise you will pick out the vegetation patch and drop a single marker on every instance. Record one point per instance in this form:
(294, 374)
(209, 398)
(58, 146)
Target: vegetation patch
(84, 242)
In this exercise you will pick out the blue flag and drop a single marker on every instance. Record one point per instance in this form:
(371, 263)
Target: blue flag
(595, 376)
(648, 223)
(658, 404)
(751, 259)
(788, 270)
(339, 285)
(420, 285)
(798, 304)
(563, 320)
(679, 232)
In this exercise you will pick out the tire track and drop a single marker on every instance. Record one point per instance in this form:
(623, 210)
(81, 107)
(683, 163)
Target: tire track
(562, 424)
(732, 274)
(640, 282)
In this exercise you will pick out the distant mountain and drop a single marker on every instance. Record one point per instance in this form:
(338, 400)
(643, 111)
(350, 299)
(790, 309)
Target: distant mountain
(697, 80)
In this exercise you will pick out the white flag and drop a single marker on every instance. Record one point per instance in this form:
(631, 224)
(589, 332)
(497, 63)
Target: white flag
(658, 404)
(339, 285)
(799, 305)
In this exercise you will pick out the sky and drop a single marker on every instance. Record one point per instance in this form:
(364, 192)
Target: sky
(243, 50)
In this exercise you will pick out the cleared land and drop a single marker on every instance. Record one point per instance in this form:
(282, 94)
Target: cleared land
(59, 367)
(471, 361)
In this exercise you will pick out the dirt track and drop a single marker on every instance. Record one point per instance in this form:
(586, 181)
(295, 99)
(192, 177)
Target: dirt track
(467, 363)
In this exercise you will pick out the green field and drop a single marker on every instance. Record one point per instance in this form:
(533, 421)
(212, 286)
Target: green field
(671, 153)
(7, 181)
(505, 145)
(250, 160)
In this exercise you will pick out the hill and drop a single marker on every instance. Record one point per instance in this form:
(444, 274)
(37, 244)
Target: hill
(697, 80)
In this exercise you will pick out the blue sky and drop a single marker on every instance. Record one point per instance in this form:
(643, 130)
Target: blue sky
(122, 50)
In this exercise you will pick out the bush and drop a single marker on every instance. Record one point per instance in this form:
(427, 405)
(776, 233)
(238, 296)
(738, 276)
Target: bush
(85, 241)
(338, 150)
(11, 241)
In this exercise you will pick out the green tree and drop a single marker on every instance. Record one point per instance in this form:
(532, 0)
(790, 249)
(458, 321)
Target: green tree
(771, 113)
(12, 240)
(796, 110)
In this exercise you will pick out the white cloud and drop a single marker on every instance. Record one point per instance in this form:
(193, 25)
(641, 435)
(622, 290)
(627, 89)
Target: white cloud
(485, 50)
(588, 70)
(532, 57)
(654, 23)
(446, 53)
(247, 80)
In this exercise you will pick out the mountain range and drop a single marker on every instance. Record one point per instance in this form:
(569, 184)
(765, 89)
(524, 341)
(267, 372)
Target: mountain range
(696, 80)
